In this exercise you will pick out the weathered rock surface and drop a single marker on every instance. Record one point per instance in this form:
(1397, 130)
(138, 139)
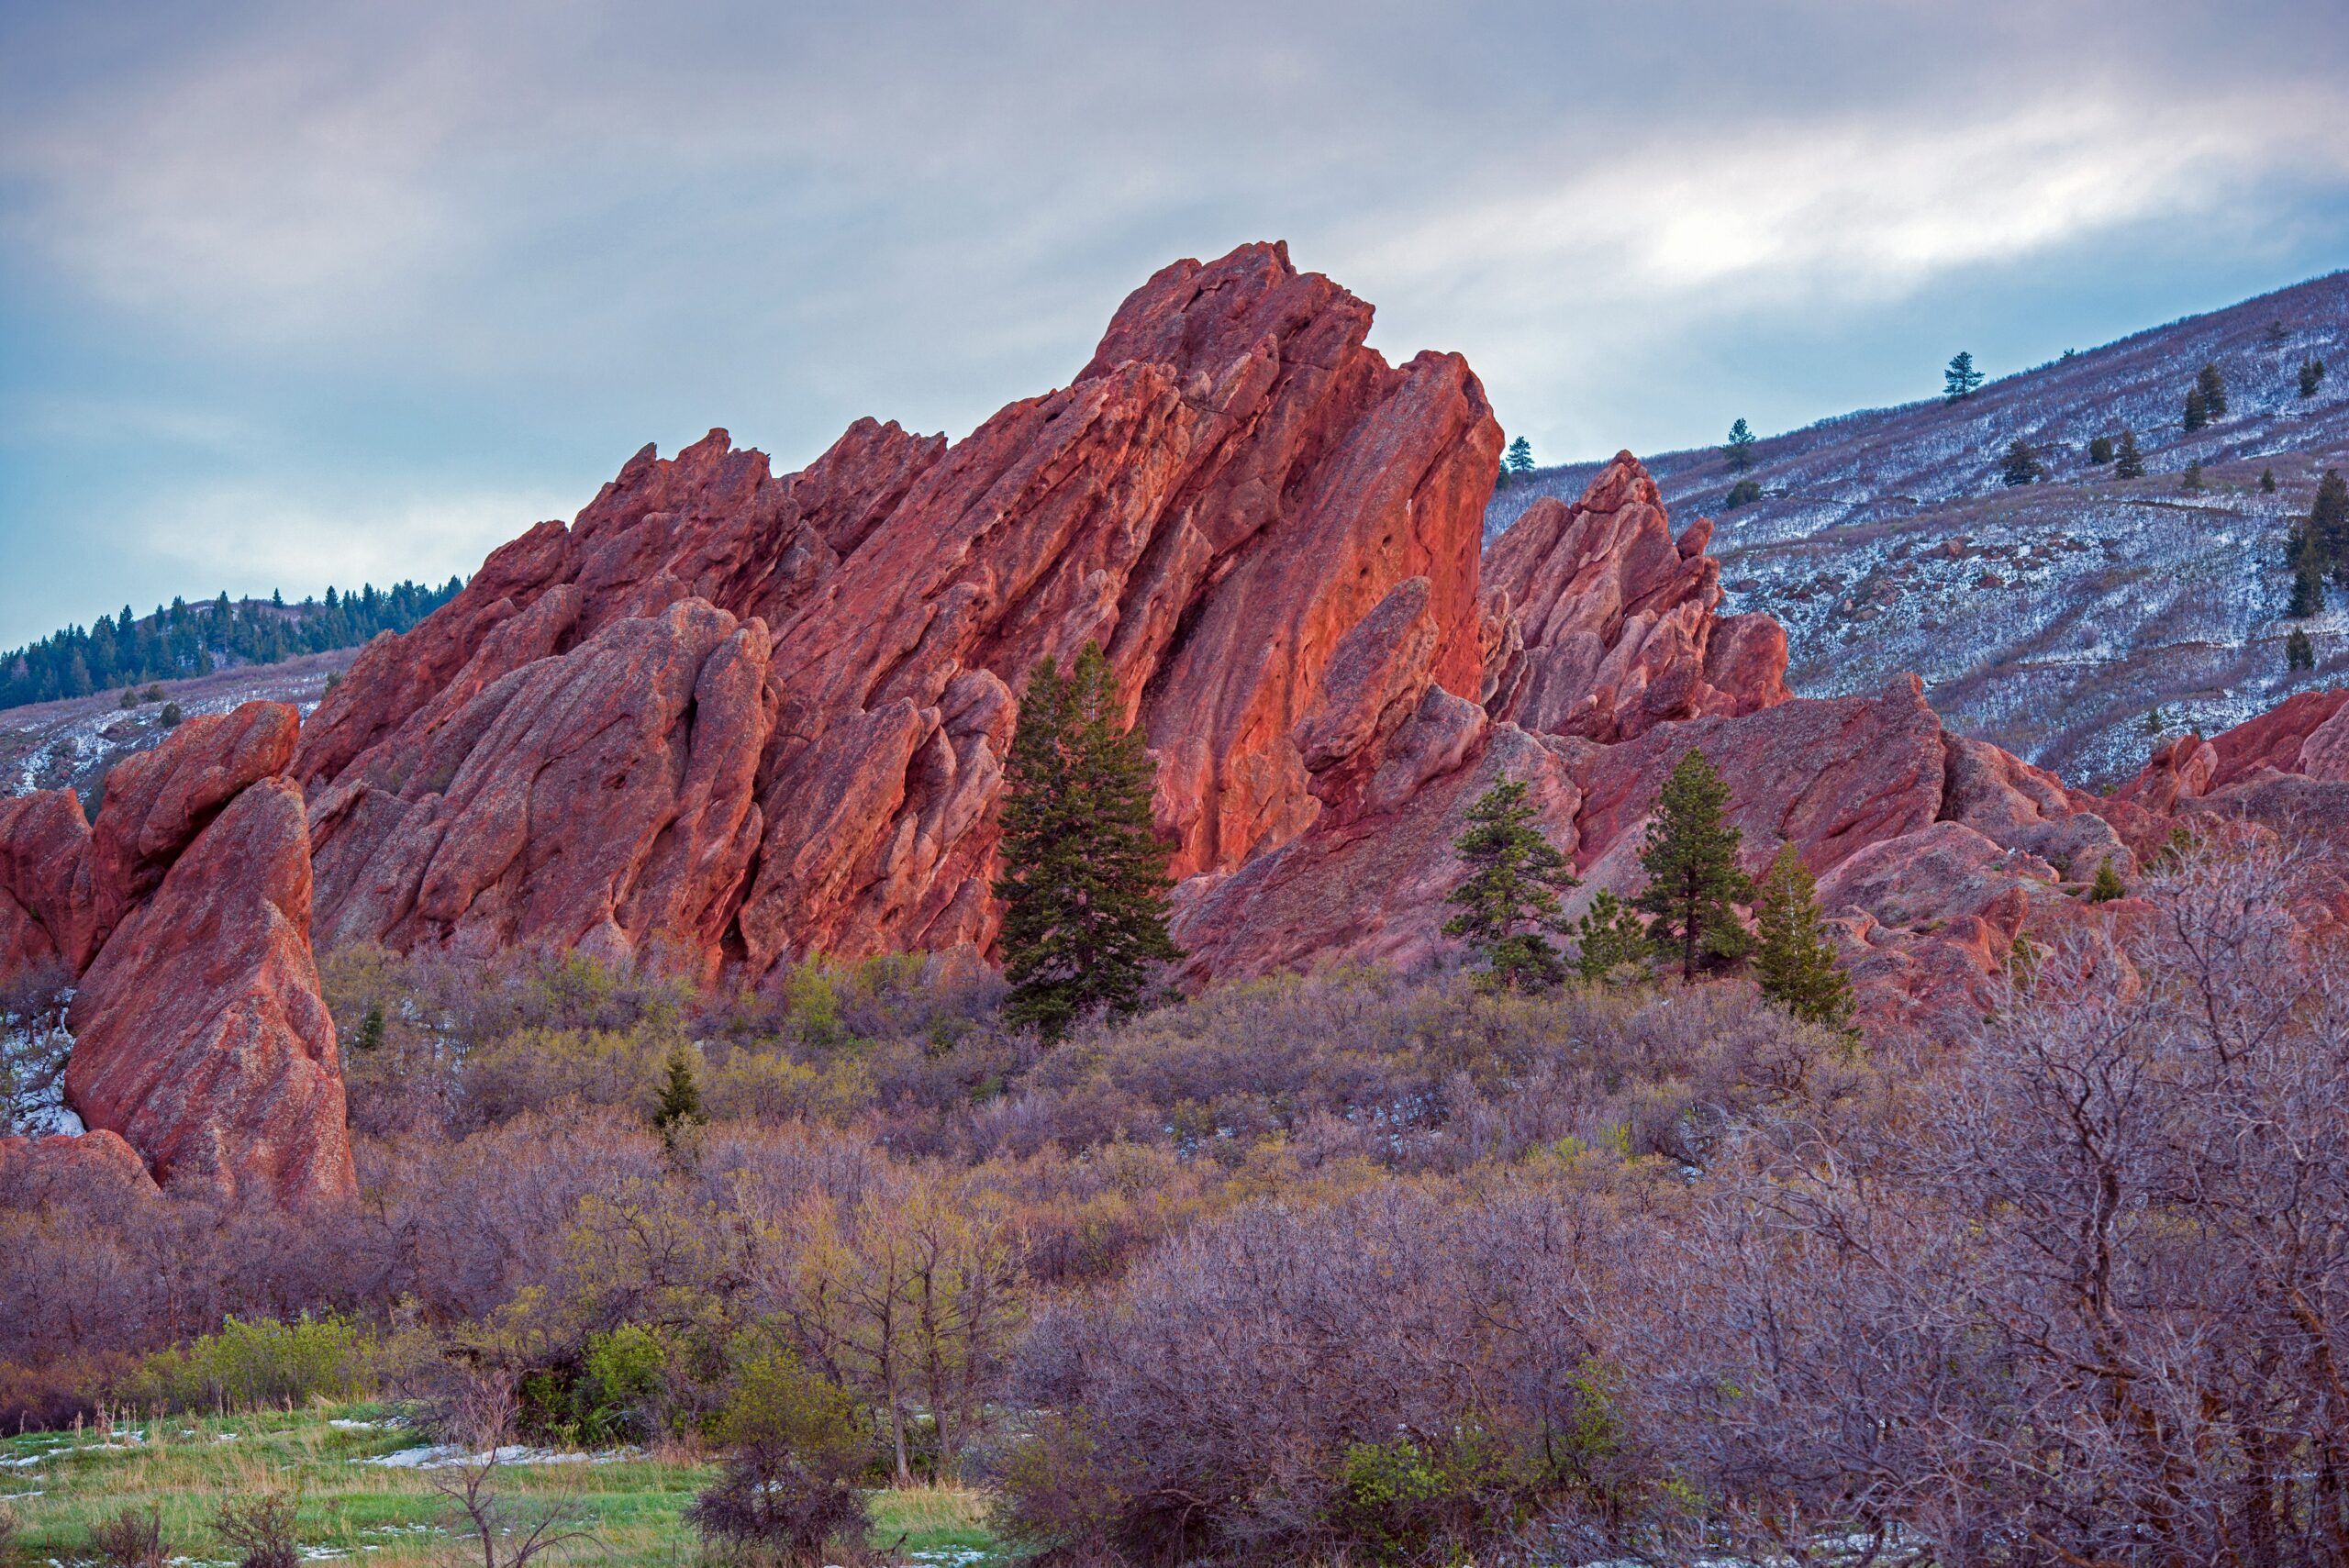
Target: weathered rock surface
(157, 802)
(47, 920)
(31, 1167)
(599, 799)
(1229, 487)
(1615, 631)
(2023, 808)
(199, 1034)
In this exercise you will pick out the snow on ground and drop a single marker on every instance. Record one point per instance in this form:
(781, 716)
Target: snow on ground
(444, 1456)
(33, 1048)
(2054, 617)
(72, 744)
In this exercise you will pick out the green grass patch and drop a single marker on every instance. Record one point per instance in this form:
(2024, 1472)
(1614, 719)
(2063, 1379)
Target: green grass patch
(61, 1483)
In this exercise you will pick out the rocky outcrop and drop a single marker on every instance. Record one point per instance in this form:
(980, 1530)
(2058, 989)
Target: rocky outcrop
(602, 799)
(47, 918)
(157, 802)
(2019, 807)
(1229, 488)
(198, 1031)
(2288, 769)
(201, 1045)
(30, 1168)
(1604, 625)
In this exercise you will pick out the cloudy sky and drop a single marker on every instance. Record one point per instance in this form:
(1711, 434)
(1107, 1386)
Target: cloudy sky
(312, 293)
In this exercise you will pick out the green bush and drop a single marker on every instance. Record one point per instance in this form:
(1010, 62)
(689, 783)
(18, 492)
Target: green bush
(775, 1401)
(264, 1362)
(1402, 1502)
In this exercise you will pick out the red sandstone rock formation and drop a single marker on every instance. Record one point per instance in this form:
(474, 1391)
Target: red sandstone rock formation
(198, 1032)
(1614, 629)
(47, 920)
(1228, 489)
(28, 1166)
(2287, 769)
(602, 799)
(199, 1036)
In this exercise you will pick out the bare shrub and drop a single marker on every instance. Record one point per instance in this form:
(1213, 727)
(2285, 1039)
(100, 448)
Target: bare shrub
(1391, 1376)
(261, 1529)
(767, 1507)
(482, 1414)
(131, 1539)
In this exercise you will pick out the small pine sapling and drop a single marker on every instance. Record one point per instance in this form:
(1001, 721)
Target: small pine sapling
(1793, 959)
(1610, 939)
(2128, 462)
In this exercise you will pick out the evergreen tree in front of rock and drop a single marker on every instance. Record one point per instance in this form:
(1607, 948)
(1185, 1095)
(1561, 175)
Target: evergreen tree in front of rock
(1084, 880)
(1508, 906)
(1793, 960)
(1690, 858)
(1610, 939)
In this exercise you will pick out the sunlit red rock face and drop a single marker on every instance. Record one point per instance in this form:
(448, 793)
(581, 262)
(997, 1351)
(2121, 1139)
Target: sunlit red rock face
(1614, 624)
(1229, 486)
(201, 1046)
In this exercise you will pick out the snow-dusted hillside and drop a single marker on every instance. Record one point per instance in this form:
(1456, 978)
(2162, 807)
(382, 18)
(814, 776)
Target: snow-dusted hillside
(72, 744)
(2051, 617)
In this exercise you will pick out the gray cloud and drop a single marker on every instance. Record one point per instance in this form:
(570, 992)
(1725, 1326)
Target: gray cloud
(462, 257)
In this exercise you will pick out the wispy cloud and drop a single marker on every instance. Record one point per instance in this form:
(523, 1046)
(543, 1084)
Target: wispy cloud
(252, 537)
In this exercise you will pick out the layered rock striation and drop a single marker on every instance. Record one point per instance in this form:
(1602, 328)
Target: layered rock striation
(738, 718)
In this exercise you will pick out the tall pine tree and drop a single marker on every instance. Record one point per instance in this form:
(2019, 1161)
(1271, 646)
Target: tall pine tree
(1509, 902)
(1691, 862)
(1739, 448)
(2213, 388)
(1519, 459)
(1793, 960)
(2327, 530)
(1084, 884)
(1961, 379)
